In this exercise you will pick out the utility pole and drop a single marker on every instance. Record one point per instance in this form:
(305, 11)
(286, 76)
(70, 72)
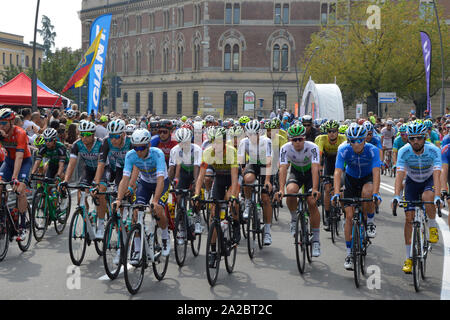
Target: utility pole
(34, 76)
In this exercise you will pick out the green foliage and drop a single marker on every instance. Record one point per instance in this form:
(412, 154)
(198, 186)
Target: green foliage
(47, 34)
(11, 71)
(389, 59)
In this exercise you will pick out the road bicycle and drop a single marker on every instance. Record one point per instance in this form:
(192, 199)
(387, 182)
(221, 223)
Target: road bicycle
(10, 221)
(222, 238)
(276, 204)
(184, 231)
(149, 250)
(420, 245)
(303, 233)
(360, 240)
(49, 205)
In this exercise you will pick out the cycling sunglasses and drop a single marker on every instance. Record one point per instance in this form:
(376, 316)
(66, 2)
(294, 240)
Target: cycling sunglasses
(140, 148)
(298, 139)
(49, 139)
(353, 141)
(3, 123)
(164, 131)
(419, 138)
(86, 134)
(114, 136)
(332, 131)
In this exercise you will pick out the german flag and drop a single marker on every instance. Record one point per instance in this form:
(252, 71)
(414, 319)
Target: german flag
(85, 65)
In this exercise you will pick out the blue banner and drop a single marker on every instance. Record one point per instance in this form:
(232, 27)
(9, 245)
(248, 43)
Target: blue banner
(426, 48)
(96, 73)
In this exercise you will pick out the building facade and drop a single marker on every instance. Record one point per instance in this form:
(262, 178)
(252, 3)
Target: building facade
(13, 51)
(188, 57)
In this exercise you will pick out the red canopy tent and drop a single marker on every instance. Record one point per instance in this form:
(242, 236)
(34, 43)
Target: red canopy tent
(17, 92)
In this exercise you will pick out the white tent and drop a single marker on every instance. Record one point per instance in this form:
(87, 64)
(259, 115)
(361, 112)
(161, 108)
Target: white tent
(322, 101)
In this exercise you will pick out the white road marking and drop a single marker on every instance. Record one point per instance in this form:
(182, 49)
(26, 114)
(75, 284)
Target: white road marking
(445, 288)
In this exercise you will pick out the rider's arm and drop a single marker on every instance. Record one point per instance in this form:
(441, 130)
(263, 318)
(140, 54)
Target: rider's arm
(17, 164)
(234, 181)
(337, 179)
(376, 171)
(70, 168)
(103, 158)
(123, 188)
(200, 179)
(444, 177)
(315, 176)
(283, 176)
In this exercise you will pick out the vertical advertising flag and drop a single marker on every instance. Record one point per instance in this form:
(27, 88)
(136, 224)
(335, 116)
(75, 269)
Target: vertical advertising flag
(96, 75)
(426, 48)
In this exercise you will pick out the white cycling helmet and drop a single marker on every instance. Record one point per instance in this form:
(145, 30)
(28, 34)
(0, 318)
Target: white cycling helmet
(86, 126)
(141, 136)
(129, 129)
(49, 133)
(133, 121)
(252, 127)
(355, 131)
(71, 113)
(183, 135)
(116, 127)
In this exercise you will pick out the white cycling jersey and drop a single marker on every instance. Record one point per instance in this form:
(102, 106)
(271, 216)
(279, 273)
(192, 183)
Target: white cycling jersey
(191, 156)
(257, 153)
(300, 160)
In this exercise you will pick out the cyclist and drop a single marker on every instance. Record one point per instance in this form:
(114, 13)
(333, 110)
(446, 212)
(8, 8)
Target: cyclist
(311, 132)
(129, 129)
(399, 142)
(328, 145)
(420, 163)
(445, 177)
(222, 157)
(303, 156)
(433, 136)
(17, 164)
(361, 162)
(88, 148)
(146, 165)
(243, 120)
(258, 149)
(164, 139)
(184, 164)
(387, 139)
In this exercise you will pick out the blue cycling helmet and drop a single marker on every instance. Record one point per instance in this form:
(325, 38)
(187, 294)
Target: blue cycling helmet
(416, 128)
(355, 131)
(368, 125)
(428, 124)
(403, 128)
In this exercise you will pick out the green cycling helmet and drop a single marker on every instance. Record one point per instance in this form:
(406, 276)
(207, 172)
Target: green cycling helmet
(296, 130)
(276, 123)
(243, 120)
(331, 124)
(220, 133)
(343, 128)
(39, 141)
(323, 129)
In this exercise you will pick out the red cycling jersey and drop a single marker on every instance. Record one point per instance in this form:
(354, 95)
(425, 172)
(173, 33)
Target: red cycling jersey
(17, 142)
(166, 147)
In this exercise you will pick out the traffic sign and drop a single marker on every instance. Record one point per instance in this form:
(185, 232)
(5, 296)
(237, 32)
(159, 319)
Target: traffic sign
(388, 100)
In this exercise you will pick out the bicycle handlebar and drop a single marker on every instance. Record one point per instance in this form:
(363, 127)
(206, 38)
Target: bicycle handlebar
(298, 195)
(415, 203)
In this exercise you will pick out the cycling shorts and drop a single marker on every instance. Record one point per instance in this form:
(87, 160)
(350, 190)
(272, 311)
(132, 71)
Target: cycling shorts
(7, 170)
(300, 179)
(354, 186)
(89, 175)
(414, 190)
(146, 190)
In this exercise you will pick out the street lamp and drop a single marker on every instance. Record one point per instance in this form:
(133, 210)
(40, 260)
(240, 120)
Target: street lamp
(442, 59)
(304, 73)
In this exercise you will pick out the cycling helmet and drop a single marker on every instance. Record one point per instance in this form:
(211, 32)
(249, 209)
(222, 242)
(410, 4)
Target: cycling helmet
(39, 141)
(198, 118)
(391, 123)
(141, 136)
(307, 119)
(356, 131)
(183, 135)
(86, 126)
(49, 133)
(252, 127)
(209, 118)
(133, 121)
(188, 126)
(268, 125)
(323, 128)
(116, 127)
(277, 123)
(428, 123)
(227, 124)
(403, 128)
(369, 126)
(153, 124)
(104, 119)
(416, 128)
(331, 124)
(220, 133)
(71, 113)
(296, 130)
(236, 131)
(211, 133)
(167, 124)
(184, 118)
(7, 114)
(129, 129)
(343, 128)
(243, 120)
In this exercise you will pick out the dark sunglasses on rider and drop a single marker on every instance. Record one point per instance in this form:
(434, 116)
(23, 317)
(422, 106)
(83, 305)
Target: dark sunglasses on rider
(140, 148)
(332, 131)
(298, 139)
(163, 131)
(86, 134)
(353, 141)
(419, 138)
(49, 139)
(114, 136)
(3, 123)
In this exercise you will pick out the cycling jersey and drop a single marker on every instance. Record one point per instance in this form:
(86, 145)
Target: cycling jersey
(114, 156)
(300, 160)
(433, 137)
(446, 154)
(325, 146)
(387, 135)
(257, 153)
(222, 163)
(312, 135)
(152, 167)
(398, 143)
(358, 165)
(55, 155)
(376, 141)
(188, 158)
(17, 142)
(419, 167)
(445, 140)
(90, 157)
(164, 146)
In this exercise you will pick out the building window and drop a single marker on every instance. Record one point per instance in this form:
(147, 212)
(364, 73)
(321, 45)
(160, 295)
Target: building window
(165, 60)
(151, 61)
(164, 110)
(125, 66)
(276, 58)
(127, 25)
(27, 61)
(228, 13)
(197, 14)
(125, 103)
(196, 63)
(151, 23)
(285, 14)
(235, 57)
(180, 18)
(138, 63)
(195, 103)
(277, 13)
(4, 58)
(150, 102)
(39, 63)
(227, 58)
(230, 103)
(179, 102)
(237, 13)
(10, 59)
(324, 13)
(166, 19)
(138, 24)
(138, 103)
(285, 58)
(180, 58)
(279, 100)
(17, 59)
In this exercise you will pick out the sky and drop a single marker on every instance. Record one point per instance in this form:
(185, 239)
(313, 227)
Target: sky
(18, 16)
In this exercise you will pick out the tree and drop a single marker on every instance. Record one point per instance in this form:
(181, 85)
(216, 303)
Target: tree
(11, 71)
(48, 35)
(367, 61)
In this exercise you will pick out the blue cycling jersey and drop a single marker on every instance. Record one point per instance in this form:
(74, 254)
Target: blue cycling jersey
(419, 167)
(398, 143)
(446, 154)
(376, 141)
(90, 157)
(358, 165)
(446, 140)
(152, 167)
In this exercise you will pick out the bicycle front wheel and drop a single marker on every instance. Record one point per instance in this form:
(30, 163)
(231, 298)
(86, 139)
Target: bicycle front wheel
(212, 270)
(4, 235)
(39, 216)
(112, 249)
(251, 234)
(300, 245)
(25, 245)
(231, 250)
(77, 237)
(356, 251)
(417, 258)
(136, 260)
(63, 212)
(161, 263)
(180, 237)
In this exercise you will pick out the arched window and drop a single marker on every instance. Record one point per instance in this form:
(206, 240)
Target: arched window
(180, 59)
(235, 57)
(227, 58)
(138, 63)
(276, 58)
(151, 61)
(285, 58)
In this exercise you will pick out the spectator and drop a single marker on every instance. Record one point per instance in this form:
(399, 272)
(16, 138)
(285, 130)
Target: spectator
(55, 115)
(18, 121)
(54, 124)
(100, 131)
(273, 114)
(72, 134)
(28, 125)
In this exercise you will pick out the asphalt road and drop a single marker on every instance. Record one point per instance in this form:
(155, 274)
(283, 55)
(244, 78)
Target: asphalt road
(46, 271)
